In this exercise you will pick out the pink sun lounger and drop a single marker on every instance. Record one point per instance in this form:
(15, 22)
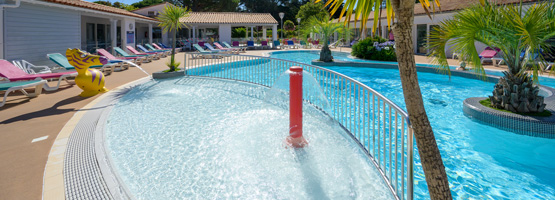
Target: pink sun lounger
(13, 73)
(103, 52)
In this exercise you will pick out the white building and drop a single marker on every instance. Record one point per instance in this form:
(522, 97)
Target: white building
(33, 28)
(201, 25)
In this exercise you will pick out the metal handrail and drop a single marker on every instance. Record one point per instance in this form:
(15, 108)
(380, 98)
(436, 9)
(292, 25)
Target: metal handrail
(371, 119)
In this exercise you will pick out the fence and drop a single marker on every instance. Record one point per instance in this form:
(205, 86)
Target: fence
(380, 127)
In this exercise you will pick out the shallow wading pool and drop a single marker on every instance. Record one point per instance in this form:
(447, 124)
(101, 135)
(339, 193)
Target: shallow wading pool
(202, 138)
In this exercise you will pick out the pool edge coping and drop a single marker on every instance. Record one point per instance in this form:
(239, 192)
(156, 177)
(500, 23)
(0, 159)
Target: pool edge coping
(53, 186)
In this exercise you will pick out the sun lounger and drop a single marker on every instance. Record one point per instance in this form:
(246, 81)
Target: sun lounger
(204, 53)
(21, 85)
(30, 68)
(157, 48)
(241, 49)
(186, 45)
(316, 44)
(487, 54)
(334, 44)
(264, 45)
(277, 44)
(146, 58)
(155, 56)
(212, 49)
(250, 45)
(61, 61)
(163, 53)
(103, 52)
(161, 48)
(291, 44)
(220, 47)
(163, 45)
(303, 44)
(13, 73)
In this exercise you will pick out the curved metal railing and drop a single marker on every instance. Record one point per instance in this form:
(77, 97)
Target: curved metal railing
(380, 127)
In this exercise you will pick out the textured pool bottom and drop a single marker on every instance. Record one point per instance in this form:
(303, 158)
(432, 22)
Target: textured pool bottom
(204, 138)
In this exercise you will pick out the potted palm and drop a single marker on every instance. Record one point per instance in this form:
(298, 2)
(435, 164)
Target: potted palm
(169, 22)
(514, 30)
(325, 28)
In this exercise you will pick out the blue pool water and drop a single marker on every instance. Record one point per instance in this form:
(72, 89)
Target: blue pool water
(305, 56)
(482, 162)
(198, 138)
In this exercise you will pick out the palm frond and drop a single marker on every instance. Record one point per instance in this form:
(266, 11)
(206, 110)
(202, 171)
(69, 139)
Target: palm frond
(360, 10)
(507, 27)
(170, 16)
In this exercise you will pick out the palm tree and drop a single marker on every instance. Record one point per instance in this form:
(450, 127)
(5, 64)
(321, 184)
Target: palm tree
(169, 21)
(511, 29)
(325, 28)
(434, 170)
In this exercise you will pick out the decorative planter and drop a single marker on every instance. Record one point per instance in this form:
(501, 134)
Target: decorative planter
(164, 75)
(521, 124)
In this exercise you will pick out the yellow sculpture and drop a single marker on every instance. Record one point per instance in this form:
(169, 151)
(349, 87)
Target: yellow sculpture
(91, 81)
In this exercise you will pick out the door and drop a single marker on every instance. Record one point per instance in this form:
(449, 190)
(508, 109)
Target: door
(91, 37)
(421, 34)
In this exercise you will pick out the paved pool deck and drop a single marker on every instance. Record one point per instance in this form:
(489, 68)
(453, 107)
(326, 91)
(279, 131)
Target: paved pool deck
(29, 126)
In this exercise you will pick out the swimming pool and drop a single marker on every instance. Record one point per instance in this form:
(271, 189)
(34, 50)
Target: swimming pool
(306, 56)
(201, 138)
(482, 162)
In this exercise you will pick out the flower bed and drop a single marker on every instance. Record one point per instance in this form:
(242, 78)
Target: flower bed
(375, 48)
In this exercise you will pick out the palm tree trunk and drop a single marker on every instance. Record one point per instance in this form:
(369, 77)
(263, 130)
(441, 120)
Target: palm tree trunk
(172, 62)
(434, 170)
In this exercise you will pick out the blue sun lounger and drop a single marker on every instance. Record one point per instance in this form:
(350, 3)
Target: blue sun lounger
(61, 61)
(163, 53)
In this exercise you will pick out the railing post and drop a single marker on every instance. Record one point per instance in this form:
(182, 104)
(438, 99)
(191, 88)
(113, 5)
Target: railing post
(295, 138)
(410, 163)
(185, 64)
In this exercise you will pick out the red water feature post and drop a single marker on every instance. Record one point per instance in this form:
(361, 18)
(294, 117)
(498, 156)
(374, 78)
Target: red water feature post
(295, 138)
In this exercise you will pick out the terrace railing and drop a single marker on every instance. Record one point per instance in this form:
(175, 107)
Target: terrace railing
(379, 126)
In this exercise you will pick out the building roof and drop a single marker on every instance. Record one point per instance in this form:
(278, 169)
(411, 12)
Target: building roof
(446, 6)
(228, 18)
(165, 3)
(98, 7)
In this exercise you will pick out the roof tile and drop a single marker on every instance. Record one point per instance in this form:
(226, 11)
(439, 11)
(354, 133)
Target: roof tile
(99, 7)
(229, 18)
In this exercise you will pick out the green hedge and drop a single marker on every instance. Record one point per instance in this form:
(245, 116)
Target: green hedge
(383, 52)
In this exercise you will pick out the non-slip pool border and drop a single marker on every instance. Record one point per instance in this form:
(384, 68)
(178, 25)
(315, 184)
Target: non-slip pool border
(85, 173)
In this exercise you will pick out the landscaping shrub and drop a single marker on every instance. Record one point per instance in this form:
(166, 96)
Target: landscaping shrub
(376, 48)
(238, 33)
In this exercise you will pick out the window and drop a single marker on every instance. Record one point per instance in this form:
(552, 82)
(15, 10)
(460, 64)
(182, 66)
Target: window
(156, 33)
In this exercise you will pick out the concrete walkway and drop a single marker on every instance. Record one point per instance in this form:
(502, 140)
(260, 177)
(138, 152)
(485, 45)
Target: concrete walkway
(24, 120)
